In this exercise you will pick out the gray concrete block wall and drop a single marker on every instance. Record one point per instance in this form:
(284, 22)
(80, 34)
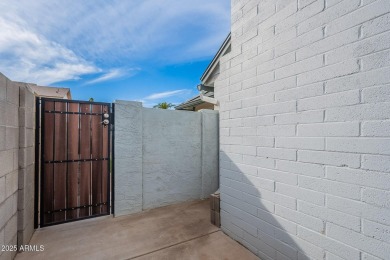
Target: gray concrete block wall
(163, 157)
(304, 133)
(26, 164)
(9, 159)
(17, 141)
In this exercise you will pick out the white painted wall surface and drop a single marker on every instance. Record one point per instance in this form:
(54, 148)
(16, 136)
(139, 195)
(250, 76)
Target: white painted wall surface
(304, 129)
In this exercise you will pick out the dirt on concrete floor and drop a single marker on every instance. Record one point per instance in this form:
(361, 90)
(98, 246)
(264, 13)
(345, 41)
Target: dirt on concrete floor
(181, 231)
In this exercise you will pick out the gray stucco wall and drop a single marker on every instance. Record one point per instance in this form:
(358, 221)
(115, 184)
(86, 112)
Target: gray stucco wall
(171, 157)
(128, 157)
(163, 157)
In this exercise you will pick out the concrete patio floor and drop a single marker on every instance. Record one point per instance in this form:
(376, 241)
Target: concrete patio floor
(181, 231)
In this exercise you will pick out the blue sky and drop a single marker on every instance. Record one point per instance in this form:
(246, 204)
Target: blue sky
(146, 50)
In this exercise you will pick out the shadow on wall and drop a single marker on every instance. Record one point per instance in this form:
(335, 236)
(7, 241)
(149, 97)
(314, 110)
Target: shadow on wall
(248, 217)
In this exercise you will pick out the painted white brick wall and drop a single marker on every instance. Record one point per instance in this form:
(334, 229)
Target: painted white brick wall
(305, 129)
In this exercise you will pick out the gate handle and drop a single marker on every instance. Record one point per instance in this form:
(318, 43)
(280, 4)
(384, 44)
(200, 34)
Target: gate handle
(105, 122)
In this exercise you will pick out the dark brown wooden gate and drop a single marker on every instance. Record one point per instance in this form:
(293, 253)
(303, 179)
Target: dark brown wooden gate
(75, 160)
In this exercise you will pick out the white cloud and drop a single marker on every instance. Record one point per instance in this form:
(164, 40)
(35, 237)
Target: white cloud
(114, 74)
(27, 56)
(117, 30)
(167, 94)
(47, 41)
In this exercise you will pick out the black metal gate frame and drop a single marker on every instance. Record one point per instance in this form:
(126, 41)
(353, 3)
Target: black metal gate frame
(39, 160)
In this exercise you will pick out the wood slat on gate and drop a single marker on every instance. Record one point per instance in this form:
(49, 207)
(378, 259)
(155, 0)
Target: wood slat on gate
(73, 167)
(85, 153)
(60, 168)
(96, 152)
(48, 168)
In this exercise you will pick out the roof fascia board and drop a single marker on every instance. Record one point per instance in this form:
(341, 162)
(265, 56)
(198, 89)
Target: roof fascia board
(214, 61)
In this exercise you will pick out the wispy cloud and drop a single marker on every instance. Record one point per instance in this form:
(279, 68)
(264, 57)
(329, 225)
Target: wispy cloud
(167, 94)
(114, 74)
(27, 56)
(74, 38)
